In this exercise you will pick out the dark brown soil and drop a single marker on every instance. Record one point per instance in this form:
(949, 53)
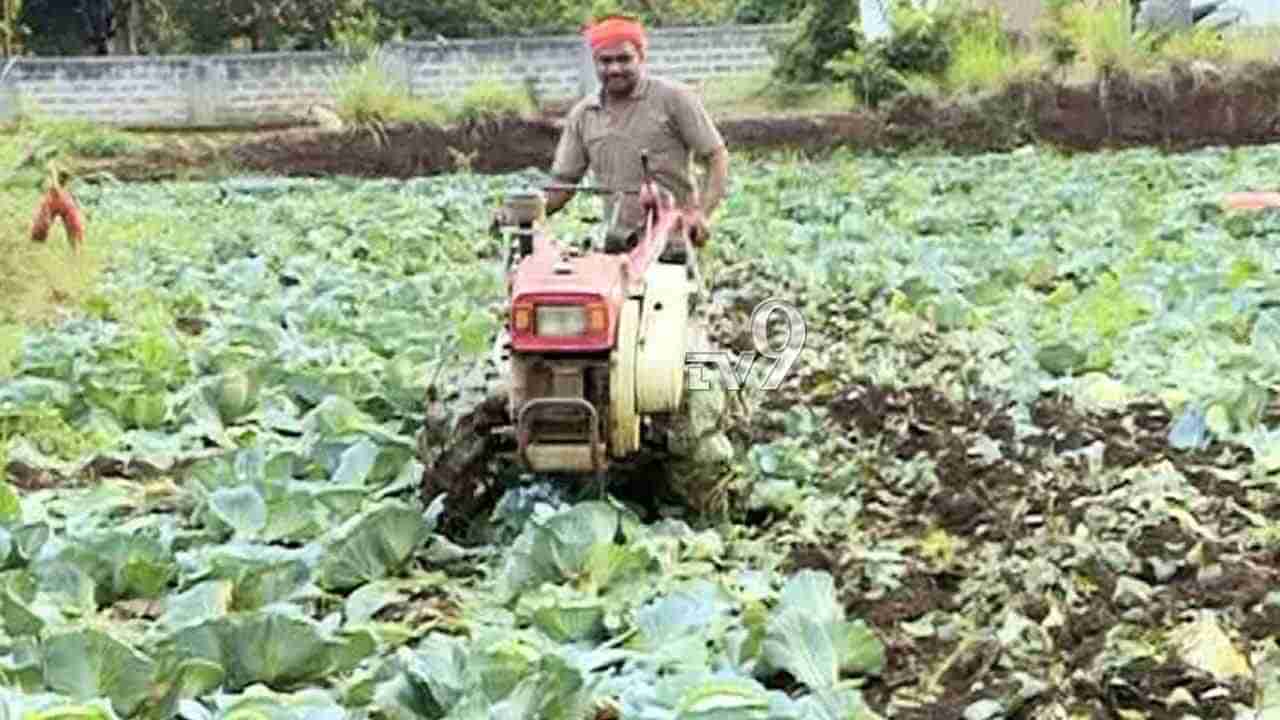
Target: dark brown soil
(971, 501)
(1180, 109)
(988, 478)
(1145, 684)
(26, 478)
(421, 608)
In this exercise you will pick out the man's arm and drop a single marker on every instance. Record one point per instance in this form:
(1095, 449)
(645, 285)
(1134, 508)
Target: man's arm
(570, 163)
(717, 179)
(702, 135)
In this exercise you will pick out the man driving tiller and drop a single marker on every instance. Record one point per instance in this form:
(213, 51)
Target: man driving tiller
(587, 372)
(637, 111)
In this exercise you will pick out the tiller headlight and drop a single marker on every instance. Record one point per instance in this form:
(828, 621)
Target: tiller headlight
(560, 320)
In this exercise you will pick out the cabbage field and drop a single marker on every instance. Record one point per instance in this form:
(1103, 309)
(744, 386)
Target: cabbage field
(1025, 468)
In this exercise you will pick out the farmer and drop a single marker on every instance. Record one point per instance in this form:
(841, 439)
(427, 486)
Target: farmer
(637, 111)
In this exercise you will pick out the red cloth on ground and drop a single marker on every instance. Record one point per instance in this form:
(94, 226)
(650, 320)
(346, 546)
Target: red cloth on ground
(616, 29)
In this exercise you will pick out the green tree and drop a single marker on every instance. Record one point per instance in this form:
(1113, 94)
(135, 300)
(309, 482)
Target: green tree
(208, 26)
(10, 28)
(487, 18)
(264, 24)
(749, 12)
(823, 30)
(920, 44)
(68, 27)
(150, 27)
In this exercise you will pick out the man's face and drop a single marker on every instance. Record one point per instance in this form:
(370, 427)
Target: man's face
(618, 67)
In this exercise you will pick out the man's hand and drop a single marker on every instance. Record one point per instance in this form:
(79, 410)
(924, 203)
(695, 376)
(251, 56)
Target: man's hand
(498, 219)
(557, 199)
(699, 228)
(708, 198)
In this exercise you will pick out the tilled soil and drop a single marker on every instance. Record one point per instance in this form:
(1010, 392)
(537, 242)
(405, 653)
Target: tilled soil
(975, 501)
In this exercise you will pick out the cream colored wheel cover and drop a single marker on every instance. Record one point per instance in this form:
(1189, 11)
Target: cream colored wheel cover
(624, 422)
(661, 354)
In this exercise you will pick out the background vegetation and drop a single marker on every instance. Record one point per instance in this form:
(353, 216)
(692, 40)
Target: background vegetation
(952, 46)
(827, 63)
(961, 46)
(64, 27)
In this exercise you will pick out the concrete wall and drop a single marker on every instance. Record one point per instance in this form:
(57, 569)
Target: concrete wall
(241, 89)
(169, 91)
(555, 65)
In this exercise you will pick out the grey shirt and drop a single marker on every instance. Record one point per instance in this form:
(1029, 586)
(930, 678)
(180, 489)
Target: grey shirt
(605, 135)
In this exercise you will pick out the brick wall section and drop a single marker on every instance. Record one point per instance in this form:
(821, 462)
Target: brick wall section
(170, 91)
(554, 64)
(246, 89)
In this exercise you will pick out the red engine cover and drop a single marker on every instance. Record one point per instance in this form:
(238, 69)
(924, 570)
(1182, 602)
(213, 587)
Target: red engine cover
(550, 275)
(547, 277)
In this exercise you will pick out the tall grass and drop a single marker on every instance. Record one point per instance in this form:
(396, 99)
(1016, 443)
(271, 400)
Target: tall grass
(41, 282)
(36, 280)
(11, 336)
(1254, 44)
(1102, 33)
(1234, 46)
(491, 94)
(44, 134)
(369, 93)
(984, 57)
(1197, 44)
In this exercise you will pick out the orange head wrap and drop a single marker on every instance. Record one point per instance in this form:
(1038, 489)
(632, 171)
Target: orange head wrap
(616, 29)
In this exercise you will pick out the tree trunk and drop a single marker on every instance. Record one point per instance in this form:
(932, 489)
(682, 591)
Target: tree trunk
(8, 20)
(129, 27)
(136, 21)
